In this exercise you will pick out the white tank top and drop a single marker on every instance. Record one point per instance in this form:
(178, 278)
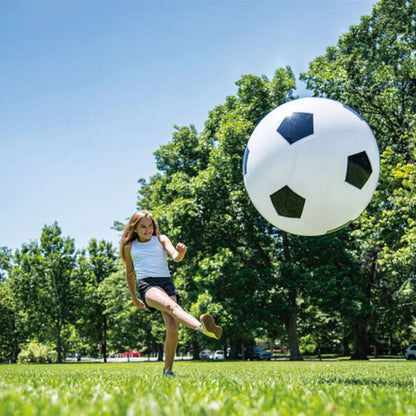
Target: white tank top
(149, 259)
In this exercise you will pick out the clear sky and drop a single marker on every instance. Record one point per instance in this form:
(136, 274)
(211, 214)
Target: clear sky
(90, 89)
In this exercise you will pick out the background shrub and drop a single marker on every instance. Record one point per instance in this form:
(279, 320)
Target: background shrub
(37, 353)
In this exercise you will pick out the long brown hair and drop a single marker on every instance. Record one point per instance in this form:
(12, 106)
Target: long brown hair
(129, 234)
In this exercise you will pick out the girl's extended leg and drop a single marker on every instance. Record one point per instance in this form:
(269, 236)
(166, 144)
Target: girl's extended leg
(159, 299)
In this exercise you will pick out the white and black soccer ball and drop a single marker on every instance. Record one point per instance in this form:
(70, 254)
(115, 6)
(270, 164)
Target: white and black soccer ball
(311, 166)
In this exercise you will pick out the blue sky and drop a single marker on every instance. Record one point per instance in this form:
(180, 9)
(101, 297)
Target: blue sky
(90, 89)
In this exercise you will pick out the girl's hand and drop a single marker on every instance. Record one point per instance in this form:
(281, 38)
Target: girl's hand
(181, 249)
(140, 304)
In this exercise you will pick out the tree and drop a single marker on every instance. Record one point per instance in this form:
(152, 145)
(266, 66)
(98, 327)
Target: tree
(11, 334)
(373, 70)
(100, 264)
(43, 281)
(201, 188)
(128, 328)
(5, 258)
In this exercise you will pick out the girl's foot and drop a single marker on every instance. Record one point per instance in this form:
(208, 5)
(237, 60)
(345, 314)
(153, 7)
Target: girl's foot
(209, 327)
(168, 373)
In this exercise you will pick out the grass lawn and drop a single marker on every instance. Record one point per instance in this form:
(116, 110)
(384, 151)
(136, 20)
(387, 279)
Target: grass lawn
(210, 388)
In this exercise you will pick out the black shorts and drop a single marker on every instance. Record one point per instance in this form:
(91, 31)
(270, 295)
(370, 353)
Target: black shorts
(165, 283)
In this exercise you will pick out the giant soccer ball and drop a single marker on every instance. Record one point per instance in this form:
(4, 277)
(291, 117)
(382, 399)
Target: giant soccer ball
(311, 166)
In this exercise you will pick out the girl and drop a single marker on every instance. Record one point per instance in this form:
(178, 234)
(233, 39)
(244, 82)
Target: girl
(143, 252)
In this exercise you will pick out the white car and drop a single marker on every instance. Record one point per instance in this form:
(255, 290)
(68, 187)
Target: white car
(219, 355)
(411, 352)
(206, 355)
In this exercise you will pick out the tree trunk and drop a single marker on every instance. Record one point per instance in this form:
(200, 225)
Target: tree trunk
(58, 343)
(235, 348)
(105, 338)
(319, 349)
(292, 335)
(360, 342)
(360, 333)
(15, 354)
(160, 352)
(195, 350)
(291, 323)
(390, 343)
(346, 346)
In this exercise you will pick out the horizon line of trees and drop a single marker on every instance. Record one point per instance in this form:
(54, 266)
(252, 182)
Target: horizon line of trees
(352, 291)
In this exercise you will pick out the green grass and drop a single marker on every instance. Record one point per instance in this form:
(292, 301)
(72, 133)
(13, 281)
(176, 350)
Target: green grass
(227, 388)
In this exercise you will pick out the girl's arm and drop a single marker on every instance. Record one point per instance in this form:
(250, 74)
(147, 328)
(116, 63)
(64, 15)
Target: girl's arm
(131, 278)
(177, 254)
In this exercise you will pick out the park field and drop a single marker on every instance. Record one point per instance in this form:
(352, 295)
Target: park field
(210, 388)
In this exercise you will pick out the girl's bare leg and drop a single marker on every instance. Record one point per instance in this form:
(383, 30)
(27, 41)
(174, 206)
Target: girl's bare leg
(171, 341)
(160, 300)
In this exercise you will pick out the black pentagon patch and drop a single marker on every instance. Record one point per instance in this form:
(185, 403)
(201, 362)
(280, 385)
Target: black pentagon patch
(287, 203)
(295, 127)
(358, 169)
(245, 160)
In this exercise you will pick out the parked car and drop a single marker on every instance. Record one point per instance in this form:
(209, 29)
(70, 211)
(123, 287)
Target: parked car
(219, 355)
(206, 355)
(259, 354)
(75, 355)
(131, 353)
(411, 352)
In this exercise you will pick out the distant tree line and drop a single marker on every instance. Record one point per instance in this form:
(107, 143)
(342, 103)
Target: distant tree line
(352, 291)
